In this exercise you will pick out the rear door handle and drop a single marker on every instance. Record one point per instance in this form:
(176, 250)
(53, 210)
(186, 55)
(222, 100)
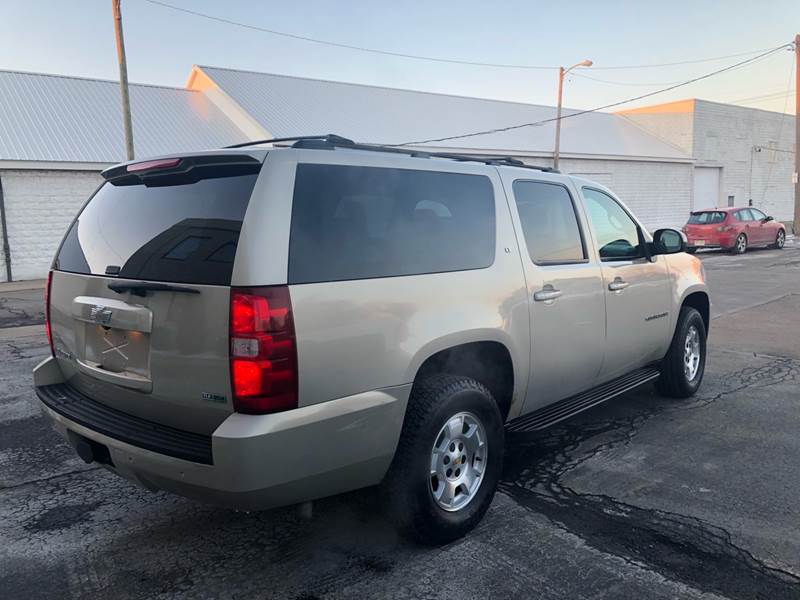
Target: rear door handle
(547, 294)
(618, 285)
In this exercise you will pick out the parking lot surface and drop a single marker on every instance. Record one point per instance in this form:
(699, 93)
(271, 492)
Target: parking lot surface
(643, 497)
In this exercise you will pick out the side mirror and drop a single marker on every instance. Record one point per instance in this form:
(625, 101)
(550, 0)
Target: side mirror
(768, 219)
(669, 241)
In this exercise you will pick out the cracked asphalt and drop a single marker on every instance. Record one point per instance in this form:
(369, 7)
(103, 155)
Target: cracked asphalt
(643, 497)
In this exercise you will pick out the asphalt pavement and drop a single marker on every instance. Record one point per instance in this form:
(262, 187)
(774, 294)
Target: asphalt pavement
(643, 497)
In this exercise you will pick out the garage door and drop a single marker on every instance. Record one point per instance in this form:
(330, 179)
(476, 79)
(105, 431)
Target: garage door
(706, 187)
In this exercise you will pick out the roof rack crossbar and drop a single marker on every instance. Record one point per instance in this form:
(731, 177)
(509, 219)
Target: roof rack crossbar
(332, 141)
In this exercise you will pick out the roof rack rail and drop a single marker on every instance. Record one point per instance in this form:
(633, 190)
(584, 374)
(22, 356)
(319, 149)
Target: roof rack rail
(331, 141)
(331, 138)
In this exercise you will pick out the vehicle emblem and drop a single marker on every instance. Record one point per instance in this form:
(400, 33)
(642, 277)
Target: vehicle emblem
(100, 314)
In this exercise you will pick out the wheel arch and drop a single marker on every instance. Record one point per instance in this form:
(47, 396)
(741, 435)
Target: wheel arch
(700, 301)
(486, 358)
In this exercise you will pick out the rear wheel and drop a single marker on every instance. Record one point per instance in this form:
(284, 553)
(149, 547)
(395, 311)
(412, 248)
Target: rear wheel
(740, 246)
(780, 239)
(448, 460)
(684, 364)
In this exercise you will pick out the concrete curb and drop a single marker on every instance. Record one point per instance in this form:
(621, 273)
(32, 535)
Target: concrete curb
(16, 286)
(11, 333)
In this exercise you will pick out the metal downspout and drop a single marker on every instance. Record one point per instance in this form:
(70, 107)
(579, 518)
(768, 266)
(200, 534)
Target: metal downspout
(4, 227)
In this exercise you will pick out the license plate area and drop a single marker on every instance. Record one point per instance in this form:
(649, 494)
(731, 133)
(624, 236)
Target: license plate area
(117, 350)
(699, 242)
(113, 341)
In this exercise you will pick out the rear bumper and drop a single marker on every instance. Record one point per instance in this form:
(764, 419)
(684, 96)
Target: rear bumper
(715, 241)
(258, 461)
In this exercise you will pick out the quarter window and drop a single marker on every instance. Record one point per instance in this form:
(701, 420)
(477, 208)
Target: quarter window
(616, 234)
(362, 222)
(548, 221)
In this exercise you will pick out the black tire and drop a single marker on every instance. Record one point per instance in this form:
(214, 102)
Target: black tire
(780, 240)
(691, 250)
(408, 483)
(674, 381)
(740, 245)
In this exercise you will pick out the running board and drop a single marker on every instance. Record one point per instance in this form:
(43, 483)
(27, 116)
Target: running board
(563, 409)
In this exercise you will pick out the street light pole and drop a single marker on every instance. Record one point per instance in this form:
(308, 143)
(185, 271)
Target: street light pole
(561, 74)
(123, 78)
(796, 223)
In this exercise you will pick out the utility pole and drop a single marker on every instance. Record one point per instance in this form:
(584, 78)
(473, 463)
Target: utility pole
(561, 73)
(558, 117)
(796, 224)
(123, 78)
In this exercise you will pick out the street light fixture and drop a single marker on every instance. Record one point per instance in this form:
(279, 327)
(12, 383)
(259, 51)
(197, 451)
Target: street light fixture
(561, 73)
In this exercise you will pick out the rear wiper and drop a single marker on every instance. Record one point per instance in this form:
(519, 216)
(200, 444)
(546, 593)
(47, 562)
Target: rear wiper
(141, 289)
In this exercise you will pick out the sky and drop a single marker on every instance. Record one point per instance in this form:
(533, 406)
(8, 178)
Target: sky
(75, 37)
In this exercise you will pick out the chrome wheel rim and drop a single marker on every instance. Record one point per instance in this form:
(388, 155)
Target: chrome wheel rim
(781, 239)
(691, 353)
(741, 243)
(458, 461)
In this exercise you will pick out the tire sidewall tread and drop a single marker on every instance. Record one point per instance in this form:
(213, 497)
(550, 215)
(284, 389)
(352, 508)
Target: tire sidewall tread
(412, 506)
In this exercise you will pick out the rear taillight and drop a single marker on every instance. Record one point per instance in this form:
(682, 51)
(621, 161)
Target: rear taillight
(263, 350)
(724, 228)
(47, 326)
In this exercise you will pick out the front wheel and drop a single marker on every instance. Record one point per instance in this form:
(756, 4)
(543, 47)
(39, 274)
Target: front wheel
(448, 460)
(780, 239)
(684, 364)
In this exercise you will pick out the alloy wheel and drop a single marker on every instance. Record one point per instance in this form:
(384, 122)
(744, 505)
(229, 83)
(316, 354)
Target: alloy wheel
(458, 461)
(691, 353)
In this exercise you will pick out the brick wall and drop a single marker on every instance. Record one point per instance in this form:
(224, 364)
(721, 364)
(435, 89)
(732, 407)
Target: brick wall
(40, 205)
(726, 135)
(659, 193)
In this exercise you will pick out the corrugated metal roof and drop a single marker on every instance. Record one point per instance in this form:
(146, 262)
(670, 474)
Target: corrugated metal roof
(287, 106)
(55, 118)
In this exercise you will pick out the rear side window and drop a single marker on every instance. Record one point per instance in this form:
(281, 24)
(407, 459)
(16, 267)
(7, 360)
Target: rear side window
(362, 222)
(706, 218)
(744, 215)
(177, 233)
(548, 221)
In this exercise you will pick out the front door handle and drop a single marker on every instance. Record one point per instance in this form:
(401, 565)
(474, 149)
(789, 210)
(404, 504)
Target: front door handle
(618, 285)
(547, 294)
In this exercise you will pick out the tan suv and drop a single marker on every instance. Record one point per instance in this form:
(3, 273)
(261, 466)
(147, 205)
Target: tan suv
(265, 325)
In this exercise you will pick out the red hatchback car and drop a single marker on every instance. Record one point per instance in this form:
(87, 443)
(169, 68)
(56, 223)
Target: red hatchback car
(733, 229)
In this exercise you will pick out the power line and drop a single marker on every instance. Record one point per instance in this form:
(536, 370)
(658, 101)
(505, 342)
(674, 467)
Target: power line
(775, 96)
(420, 56)
(596, 109)
(637, 84)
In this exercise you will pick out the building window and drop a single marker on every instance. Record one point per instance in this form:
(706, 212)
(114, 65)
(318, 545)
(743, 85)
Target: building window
(731, 201)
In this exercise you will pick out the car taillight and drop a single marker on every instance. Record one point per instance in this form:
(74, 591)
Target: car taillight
(724, 228)
(263, 350)
(47, 326)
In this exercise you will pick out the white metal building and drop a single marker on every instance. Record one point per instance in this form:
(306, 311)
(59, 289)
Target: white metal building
(57, 133)
(652, 175)
(742, 154)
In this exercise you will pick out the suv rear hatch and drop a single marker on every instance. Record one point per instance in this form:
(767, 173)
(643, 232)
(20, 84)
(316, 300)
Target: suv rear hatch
(140, 292)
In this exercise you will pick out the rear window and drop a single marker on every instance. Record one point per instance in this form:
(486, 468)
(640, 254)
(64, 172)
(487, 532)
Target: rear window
(178, 233)
(363, 222)
(707, 218)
